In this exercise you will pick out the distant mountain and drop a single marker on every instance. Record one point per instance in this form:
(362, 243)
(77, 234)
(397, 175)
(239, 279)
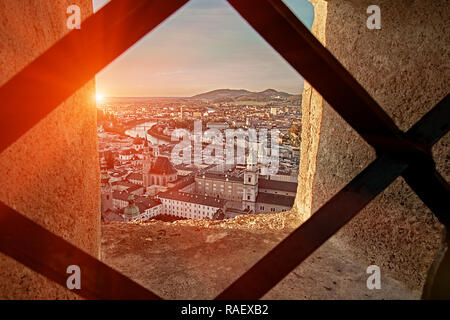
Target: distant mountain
(266, 95)
(222, 95)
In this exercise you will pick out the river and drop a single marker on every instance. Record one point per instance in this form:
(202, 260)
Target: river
(141, 131)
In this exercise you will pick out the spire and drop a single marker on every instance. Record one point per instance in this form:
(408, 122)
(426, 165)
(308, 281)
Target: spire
(251, 161)
(145, 136)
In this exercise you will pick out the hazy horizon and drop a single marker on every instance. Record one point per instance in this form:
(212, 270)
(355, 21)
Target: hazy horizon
(190, 96)
(204, 46)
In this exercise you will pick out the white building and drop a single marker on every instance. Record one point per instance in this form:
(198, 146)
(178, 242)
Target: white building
(191, 206)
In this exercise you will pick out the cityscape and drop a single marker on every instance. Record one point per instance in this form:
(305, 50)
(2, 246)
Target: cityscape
(140, 179)
(234, 151)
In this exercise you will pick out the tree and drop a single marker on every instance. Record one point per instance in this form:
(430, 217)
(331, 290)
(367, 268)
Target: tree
(294, 130)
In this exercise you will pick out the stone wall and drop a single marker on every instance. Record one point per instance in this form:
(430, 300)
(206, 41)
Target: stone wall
(405, 67)
(50, 174)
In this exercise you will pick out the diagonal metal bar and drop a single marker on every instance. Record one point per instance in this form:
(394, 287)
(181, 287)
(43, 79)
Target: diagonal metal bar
(434, 125)
(74, 60)
(353, 103)
(432, 189)
(304, 53)
(419, 172)
(333, 215)
(272, 18)
(50, 255)
(34, 92)
(421, 175)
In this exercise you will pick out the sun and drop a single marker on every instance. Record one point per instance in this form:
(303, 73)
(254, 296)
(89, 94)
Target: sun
(99, 97)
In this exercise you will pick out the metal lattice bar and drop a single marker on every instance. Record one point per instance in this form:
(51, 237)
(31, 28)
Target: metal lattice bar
(307, 56)
(333, 215)
(326, 221)
(55, 75)
(37, 90)
(50, 255)
(272, 18)
(432, 189)
(433, 125)
(74, 60)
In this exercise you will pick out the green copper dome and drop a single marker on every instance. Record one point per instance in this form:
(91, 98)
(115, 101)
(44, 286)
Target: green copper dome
(131, 210)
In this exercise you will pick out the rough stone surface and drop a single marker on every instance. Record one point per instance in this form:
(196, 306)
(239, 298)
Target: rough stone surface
(405, 67)
(51, 173)
(441, 154)
(198, 260)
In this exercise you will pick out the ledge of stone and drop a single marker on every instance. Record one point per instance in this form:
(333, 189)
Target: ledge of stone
(198, 259)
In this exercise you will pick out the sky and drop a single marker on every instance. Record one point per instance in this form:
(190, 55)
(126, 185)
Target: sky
(205, 45)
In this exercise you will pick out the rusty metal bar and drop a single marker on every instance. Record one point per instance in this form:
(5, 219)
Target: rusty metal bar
(418, 170)
(333, 215)
(37, 90)
(434, 125)
(74, 60)
(276, 23)
(50, 255)
(303, 51)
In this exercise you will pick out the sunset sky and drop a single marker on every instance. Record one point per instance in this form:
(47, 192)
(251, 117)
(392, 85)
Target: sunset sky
(204, 46)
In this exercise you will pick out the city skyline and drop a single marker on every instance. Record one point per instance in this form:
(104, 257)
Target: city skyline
(204, 46)
(101, 96)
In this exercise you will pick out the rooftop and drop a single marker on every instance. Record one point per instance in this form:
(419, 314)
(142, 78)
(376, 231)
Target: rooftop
(123, 183)
(193, 198)
(120, 195)
(128, 152)
(135, 176)
(277, 185)
(221, 176)
(277, 199)
(147, 203)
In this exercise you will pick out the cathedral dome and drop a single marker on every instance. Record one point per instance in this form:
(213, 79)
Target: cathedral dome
(132, 210)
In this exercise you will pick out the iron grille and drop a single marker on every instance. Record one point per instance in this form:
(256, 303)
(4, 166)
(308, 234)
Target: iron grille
(78, 56)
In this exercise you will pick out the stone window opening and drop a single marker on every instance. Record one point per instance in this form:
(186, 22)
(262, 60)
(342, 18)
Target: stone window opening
(330, 21)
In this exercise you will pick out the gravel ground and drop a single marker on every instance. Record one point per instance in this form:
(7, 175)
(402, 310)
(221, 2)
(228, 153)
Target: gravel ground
(198, 259)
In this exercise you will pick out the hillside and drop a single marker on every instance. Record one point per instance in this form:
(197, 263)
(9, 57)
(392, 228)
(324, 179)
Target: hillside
(222, 95)
(266, 95)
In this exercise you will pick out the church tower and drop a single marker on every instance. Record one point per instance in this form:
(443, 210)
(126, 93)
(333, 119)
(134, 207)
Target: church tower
(250, 184)
(150, 153)
(146, 164)
(106, 188)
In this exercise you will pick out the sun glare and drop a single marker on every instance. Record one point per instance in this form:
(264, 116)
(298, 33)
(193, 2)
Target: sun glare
(99, 97)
